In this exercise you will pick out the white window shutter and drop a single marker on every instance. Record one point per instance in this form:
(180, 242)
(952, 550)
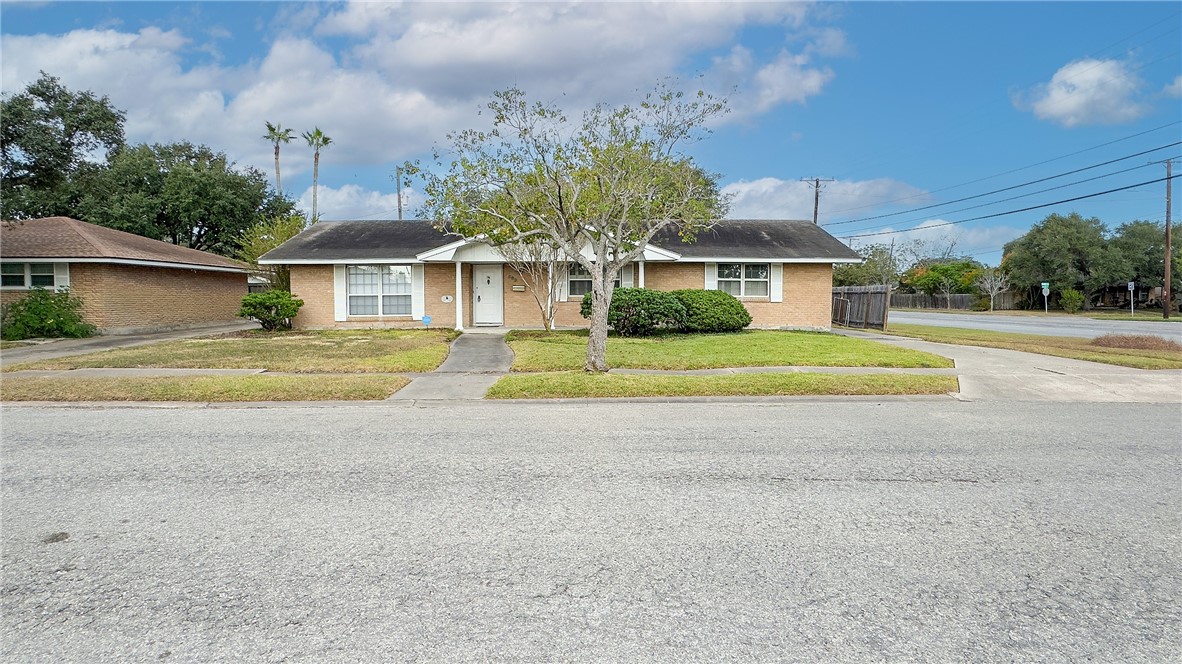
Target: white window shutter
(777, 285)
(340, 298)
(418, 292)
(626, 276)
(711, 276)
(61, 275)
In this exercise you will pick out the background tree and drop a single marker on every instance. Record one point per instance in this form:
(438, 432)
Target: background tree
(182, 193)
(1068, 251)
(598, 189)
(993, 282)
(261, 238)
(879, 266)
(316, 140)
(47, 135)
(948, 277)
(276, 134)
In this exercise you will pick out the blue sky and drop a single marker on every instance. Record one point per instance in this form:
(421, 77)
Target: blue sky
(905, 105)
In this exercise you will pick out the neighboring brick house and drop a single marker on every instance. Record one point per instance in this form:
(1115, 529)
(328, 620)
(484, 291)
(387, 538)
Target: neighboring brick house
(358, 274)
(128, 283)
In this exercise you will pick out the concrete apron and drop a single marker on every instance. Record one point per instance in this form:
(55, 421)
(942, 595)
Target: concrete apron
(994, 374)
(475, 362)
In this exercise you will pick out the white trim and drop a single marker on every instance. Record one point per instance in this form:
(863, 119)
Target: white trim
(340, 307)
(418, 298)
(459, 296)
(776, 288)
(658, 253)
(626, 275)
(713, 259)
(127, 261)
(61, 275)
(711, 280)
(341, 261)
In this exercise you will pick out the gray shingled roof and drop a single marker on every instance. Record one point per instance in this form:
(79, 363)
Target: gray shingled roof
(397, 240)
(361, 240)
(760, 239)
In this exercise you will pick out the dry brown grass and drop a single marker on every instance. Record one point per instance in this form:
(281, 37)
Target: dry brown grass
(1137, 342)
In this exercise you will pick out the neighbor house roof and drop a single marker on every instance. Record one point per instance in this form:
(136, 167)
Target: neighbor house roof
(384, 240)
(62, 238)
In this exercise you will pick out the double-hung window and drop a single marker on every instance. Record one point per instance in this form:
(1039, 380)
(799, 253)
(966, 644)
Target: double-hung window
(744, 279)
(378, 290)
(27, 275)
(579, 283)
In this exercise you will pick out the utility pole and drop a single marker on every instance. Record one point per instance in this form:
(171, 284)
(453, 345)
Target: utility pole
(815, 183)
(1166, 294)
(398, 179)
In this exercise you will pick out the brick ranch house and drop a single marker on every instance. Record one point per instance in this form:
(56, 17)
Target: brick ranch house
(128, 283)
(361, 274)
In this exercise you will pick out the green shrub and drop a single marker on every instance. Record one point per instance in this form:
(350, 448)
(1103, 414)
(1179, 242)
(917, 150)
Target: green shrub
(1071, 300)
(980, 303)
(272, 309)
(712, 311)
(638, 312)
(45, 313)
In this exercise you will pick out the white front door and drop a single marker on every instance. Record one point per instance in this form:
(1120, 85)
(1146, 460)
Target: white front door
(487, 296)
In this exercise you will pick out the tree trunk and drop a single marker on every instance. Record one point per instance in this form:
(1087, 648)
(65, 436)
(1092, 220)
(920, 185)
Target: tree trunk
(278, 186)
(315, 181)
(597, 340)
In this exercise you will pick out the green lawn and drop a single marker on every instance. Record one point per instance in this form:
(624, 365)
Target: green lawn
(563, 351)
(335, 351)
(1071, 347)
(578, 384)
(202, 388)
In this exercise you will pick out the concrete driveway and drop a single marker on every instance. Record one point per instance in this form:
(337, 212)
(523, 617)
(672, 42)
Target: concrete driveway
(1055, 326)
(994, 374)
(53, 349)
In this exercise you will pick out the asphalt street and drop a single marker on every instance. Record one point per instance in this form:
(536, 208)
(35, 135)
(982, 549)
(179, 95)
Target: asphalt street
(819, 530)
(1056, 326)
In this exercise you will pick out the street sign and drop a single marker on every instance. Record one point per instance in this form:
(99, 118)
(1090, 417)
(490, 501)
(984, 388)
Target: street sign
(1046, 292)
(1046, 285)
(1131, 286)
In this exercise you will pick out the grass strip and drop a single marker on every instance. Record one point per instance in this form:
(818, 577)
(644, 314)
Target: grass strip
(1070, 347)
(566, 350)
(578, 384)
(326, 351)
(1111, 314)
(202, 388)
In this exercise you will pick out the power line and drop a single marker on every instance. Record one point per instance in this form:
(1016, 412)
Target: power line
(1002, 214)
(1003, 189)
(1013, 170)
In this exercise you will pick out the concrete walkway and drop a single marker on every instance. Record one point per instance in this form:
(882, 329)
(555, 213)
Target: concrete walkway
(476, 361)
(53, 349)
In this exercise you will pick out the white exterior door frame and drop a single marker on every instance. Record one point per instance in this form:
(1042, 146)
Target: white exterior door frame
(488, 295)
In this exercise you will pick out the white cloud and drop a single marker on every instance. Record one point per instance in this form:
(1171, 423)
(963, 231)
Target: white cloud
(1173, 89)
(772, 198)
(354, 202)
(1088, 92)
(935, 237)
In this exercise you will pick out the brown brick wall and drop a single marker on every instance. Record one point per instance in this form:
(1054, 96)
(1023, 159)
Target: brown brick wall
(129, 297)
(807, 296)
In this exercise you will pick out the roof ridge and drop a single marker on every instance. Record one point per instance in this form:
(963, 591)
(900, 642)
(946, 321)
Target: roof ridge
(79, 227)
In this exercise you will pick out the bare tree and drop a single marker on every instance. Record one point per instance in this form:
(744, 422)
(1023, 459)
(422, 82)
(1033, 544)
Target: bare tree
(543, 266)
(993, 282)
(947, 286)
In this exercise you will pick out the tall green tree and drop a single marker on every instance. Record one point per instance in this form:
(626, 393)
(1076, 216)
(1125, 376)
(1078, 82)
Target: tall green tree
(598, 189)
(1069, 252)
(263, 237)
(277, 135)
(316, 140)
(48, 134)
(190, 195)
(879, 266)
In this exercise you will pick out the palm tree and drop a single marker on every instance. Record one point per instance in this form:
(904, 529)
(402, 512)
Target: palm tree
(316, 140)
(277, 134)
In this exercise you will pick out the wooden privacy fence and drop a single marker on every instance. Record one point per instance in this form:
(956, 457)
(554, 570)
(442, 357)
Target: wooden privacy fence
(861, 306)
(963, 302)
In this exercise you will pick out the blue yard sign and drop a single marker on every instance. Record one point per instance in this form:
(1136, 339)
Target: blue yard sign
(427, 321)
